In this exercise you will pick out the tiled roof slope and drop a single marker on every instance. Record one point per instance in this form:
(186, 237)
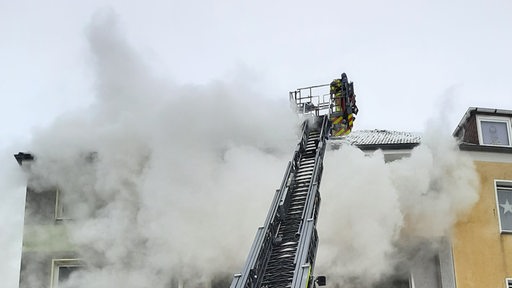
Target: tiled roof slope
(373, 137)
(381, 139)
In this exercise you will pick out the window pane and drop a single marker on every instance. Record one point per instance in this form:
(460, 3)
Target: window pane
(505, 208)
(494, 133)
(65, 272)
(397, 283)
(61, 211)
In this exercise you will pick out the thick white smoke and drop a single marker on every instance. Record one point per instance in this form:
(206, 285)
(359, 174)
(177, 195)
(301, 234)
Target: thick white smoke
(373, 213)
(167, 181)
(360, 214)
(163, 181)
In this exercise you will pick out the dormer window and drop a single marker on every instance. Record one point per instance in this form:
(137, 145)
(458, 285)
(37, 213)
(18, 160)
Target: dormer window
(494, 131)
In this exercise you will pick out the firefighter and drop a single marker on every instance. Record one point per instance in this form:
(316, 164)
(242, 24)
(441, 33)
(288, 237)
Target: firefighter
(342, 94)
(336, 94)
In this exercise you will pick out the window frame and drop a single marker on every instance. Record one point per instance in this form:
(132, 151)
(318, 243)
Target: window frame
(508, 282)
(57, 264)
(59, 206)
(507, 185)
(497, 119)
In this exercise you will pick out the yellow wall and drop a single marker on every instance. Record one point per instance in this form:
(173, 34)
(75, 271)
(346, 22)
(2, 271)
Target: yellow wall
(483, 256)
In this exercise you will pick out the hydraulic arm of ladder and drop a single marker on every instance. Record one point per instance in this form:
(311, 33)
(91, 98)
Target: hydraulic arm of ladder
(284, 249)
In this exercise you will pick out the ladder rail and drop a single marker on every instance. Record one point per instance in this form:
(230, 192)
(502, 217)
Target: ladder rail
(308, 244)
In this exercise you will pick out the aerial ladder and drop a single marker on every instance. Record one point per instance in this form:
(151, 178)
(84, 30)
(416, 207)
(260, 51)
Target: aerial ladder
(284, 250)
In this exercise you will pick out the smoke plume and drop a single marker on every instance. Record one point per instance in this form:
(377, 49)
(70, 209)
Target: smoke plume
(163, 182)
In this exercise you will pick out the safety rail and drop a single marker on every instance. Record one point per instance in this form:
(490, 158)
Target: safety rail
(313, 99)
(294, 165)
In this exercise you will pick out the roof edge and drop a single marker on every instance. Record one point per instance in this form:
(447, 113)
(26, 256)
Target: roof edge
(482, 111)
(484, 148)
(22, 157)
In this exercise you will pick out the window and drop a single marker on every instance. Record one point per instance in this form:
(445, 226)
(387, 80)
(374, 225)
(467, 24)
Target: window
(504, 205)
(393, 283)
(508, 283)
(390, 156)
(59, 206)
(62, 269)
(494, 131)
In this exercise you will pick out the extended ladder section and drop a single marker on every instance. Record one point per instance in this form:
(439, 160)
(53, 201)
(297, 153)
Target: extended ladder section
(284, 250)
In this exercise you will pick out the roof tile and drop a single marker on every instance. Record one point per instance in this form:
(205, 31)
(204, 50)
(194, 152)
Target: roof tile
(380, 137)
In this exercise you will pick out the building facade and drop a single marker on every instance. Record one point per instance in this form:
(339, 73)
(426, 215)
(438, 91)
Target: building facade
(47, 254)
(482, 243)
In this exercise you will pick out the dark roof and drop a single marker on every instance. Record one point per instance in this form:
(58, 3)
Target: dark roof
(20, 157)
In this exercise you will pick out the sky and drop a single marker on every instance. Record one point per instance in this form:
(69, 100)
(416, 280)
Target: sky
(408, 60)
(405, 57)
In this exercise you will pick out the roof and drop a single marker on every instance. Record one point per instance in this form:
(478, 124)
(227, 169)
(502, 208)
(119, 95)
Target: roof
(467, 131)
(380, 139)
(375, 137)
(21, 157)
(481, 111)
